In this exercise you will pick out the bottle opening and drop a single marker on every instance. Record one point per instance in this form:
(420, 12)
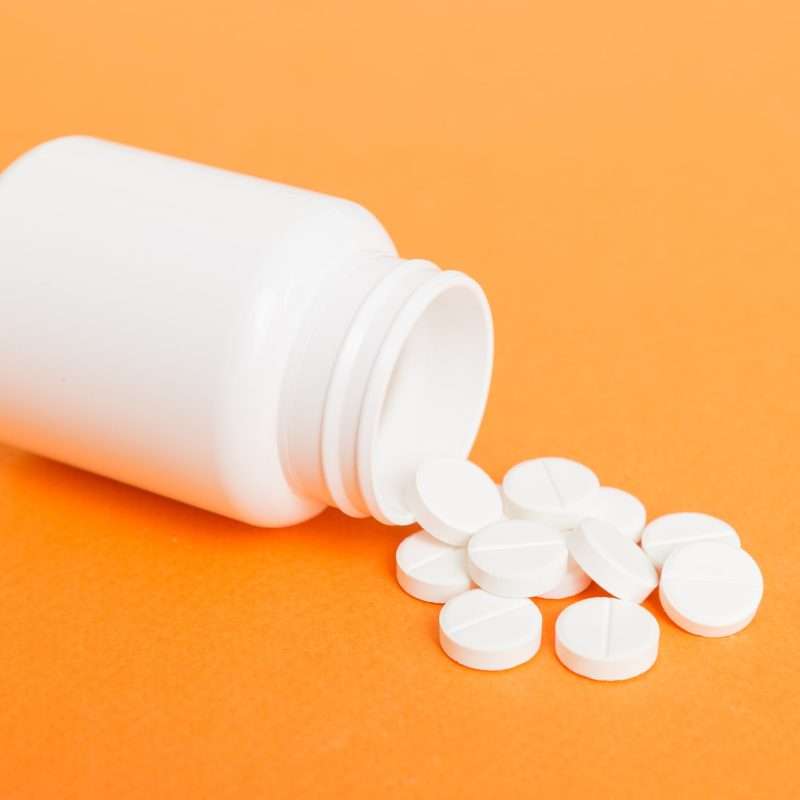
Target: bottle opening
(427, 390)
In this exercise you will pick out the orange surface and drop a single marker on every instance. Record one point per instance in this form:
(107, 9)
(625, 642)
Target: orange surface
(624, 178)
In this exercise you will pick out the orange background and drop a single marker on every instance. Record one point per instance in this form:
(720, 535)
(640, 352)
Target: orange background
(624, 179)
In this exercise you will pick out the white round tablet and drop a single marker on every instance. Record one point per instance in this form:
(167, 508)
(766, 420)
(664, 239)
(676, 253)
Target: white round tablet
(452, 499)
(612, 561)
(431, 570)
(545, 489)
(483, 631)
(607, 639)
(517, 558)
(574, 582)
(624, 511)
(664, 534)
(711, 588)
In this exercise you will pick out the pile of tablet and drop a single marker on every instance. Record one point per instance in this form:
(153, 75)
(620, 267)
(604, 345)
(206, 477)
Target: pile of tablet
(548, 531)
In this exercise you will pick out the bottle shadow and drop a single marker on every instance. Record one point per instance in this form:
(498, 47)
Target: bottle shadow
(33, 486)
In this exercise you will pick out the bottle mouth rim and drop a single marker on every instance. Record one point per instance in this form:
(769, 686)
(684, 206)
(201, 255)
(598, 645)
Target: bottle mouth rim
(460, 364)
(339, 424)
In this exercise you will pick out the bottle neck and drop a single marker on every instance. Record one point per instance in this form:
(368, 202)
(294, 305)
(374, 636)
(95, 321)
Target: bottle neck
(391, 367)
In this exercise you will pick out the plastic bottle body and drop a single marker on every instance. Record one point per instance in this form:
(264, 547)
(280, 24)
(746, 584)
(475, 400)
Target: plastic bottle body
(177, 327)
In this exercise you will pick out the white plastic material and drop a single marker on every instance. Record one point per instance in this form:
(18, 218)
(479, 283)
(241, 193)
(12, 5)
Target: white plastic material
(546, 489)
(607, 639)
(667, 533)
(517, 558)
(612, 560)
(624, 511)
(247, 347)
(711, 588)
(431, 570)
(483, 631)
(453, 499)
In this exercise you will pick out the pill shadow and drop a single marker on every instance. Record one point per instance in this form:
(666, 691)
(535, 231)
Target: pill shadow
(550, 610)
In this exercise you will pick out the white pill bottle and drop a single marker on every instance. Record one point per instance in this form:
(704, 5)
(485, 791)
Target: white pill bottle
(250, 348)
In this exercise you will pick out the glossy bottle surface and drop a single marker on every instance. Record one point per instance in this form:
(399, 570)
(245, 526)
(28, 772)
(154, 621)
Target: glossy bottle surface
(180, 328)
